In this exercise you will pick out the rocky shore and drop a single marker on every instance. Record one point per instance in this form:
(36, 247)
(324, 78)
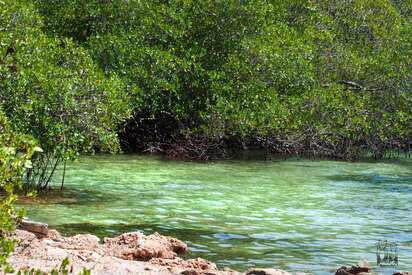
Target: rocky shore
(44, 249)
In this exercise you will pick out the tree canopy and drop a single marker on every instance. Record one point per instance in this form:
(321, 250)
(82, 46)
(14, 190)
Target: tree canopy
(329, 78)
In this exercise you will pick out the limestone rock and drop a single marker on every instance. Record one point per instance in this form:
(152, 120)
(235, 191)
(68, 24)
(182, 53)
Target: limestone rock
(25, 240)
(79, 242)
(34, 227)
(129, 253)
(266, 271)
(365, 264)
(42, 253)
(53, 234)
(113, 265)
(136, 246)
(190, 267)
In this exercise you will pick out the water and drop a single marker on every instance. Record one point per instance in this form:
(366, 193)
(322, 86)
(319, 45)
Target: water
(298, 215)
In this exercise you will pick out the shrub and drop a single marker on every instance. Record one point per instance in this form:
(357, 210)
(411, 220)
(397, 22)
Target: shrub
(16, 151)
(52, 90)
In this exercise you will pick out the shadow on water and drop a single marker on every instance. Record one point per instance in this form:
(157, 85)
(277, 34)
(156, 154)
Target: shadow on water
(71, 196)
(398, 184)
(402, 181)
(373, 178)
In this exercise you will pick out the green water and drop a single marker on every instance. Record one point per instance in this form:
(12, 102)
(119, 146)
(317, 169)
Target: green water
(299, 215)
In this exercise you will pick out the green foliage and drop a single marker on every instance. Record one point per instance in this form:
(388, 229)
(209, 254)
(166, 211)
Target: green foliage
(323, 77)
(15, 153)
(52, 90)
(167, 53)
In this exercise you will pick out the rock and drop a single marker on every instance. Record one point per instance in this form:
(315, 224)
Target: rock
(354, 269)
(119, 255)
(53, 234)
(266, 271)
(189, 272)
(24, 238)
(403, 273)
(365, 264)
(26, 264)
(113, 265)
(189, 267)
(80, 242)
(41, 253)
(34, 227)
(342, 271)
(136, 246)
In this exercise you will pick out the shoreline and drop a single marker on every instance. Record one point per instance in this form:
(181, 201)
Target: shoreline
(44, 249)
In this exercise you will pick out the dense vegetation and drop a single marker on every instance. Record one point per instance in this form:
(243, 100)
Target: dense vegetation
(52, 90)
(327, 77)
(195, 78)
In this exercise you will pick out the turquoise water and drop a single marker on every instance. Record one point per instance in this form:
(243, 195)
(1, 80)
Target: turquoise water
(298, 215)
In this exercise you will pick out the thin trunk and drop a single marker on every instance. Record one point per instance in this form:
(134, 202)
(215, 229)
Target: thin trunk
(52, 172)
(42, 176)
(64, 174)
(28, 180)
